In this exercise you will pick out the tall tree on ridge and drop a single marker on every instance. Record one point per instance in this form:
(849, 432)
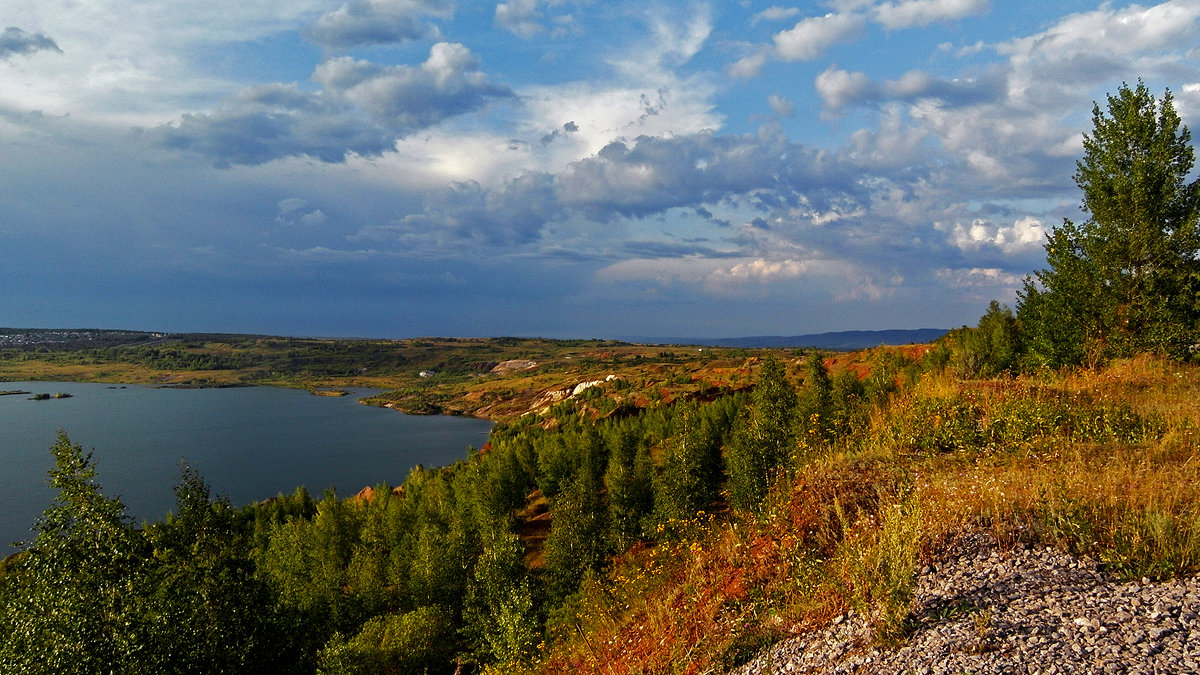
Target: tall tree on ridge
(1126, 279)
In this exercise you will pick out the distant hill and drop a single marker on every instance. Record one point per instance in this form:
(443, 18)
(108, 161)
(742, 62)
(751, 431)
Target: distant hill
(848, 340)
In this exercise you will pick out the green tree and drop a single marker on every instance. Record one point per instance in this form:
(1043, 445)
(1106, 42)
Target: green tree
(210, 612)
(629, 479)
(763, 442)
(421, 641)
(578, 539)
(73, 602)
(989, 349)
(690, 479)
(1125, 279)
(498, 616)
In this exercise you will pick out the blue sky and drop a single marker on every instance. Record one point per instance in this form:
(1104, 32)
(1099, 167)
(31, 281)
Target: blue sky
(563, 168)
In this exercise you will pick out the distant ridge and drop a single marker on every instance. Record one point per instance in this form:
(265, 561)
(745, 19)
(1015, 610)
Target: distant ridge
(848, 340)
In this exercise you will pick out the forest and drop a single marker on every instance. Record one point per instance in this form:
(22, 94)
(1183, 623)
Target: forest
(682, 533)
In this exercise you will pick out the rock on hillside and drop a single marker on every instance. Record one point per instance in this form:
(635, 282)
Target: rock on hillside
(1029, 610)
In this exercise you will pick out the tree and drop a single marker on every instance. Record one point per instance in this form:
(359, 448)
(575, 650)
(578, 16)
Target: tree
(578, 540)
(629, 481)
(421, 641)
(498, 614)
(208, 610)
(1125, 279)
(989, 349)
(72, 602)
(763, 441)
(690, 480)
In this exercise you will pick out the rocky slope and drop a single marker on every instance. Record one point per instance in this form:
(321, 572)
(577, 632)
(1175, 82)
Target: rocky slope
(1028, 610)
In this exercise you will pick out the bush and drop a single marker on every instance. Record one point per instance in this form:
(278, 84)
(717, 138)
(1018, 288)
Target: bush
(421, 641)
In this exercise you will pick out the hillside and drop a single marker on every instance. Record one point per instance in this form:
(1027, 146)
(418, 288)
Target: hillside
(621, 520)
(967, 526)
(493, 378)
(842, 341)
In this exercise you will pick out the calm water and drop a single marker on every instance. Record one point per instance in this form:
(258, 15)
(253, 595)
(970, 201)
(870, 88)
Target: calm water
(248, 443)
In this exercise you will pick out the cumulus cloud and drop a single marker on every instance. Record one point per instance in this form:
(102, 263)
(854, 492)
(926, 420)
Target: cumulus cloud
(916, 13)
(362, 110)
(366, 22)
(294, 211)
(979, 277)
(841, 88)
(1062, 63)
(810, 38)
(760, 271)
(16, 41)
(270, 122)
(916, 84)
(749, 66)
(1113, 31)
(447, 84)
(1024, 235)
(781, 106)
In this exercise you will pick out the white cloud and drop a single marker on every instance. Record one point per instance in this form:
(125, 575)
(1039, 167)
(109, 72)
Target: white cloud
(672, 43)
(322, 255)
(1110, 31)
(775, 13)
(292, 212)
(126, 65)
(448, 83)
(367, 22)
(520, 17)
(810, 38)
(979, 277)
(781, 106)
(291, 205)
(1022, 236)
(916, 13)
(759, 271)
(1060, 66)
(841, 88)
(748, 66)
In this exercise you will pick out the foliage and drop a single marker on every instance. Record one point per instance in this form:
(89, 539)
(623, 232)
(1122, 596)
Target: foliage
(689, 480)
(763, 441)
(628, 481)
(499, 619)
(578, 540)
(1126, 279)
(72, 603)
(94, 594)
(991, 348)
(420, 641)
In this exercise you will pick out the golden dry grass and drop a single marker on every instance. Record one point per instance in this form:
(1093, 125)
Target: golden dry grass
(1103, 462)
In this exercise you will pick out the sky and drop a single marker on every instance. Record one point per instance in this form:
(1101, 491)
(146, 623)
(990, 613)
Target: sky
(556, 168)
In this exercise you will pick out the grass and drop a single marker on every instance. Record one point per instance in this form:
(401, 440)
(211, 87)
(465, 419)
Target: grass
(1102, 463)
(459, 377)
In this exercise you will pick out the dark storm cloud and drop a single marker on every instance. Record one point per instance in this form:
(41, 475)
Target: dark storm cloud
(362, 109)
(659, 173)
(406, 98)
(16, 41)
(274, 121)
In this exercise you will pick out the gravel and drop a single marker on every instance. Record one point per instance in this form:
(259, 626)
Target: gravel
(1033, 610)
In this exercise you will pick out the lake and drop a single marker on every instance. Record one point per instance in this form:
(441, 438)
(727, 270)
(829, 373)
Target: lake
(249, 443)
